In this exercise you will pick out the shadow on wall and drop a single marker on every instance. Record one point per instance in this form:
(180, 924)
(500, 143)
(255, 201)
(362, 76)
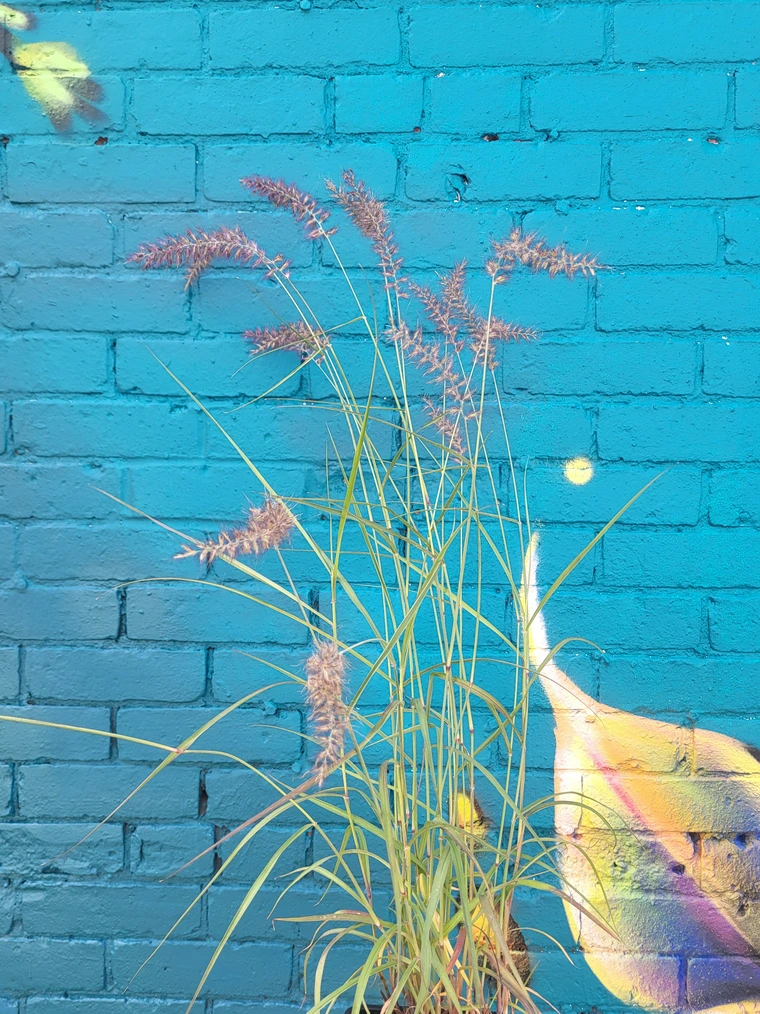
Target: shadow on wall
(51, 72)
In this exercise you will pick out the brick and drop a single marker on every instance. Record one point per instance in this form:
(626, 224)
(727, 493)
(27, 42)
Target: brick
(94, 553)
(28, 847)
(234, 105)
(663, 683)
(243, 970)
(357, 365)
(226, 163)
(55, 490)
(236, 675)
(76, 613)
(213, 491)
(742, 234)
(45, 364)
(260, 920)
(629, 100)
(248, 733)
(56, 239)
(131, 303)
(696, 559)
(249, 861)
(289, 431)
(377, 103)
(181, 613)
(621, 367)
(4, 425)
(463, 103)
(215, 366)
(128, 40)
(538, 430)
(504, 170)
(687, 32)
(227, 302)
(683, 169)
(548, 304)
(52, 965)
(6, 789)
(101, 429)
(631, 620)
(705, 975)
(115, 675)
(464, 36)
(621, 236)
(25, 118)
(354, 626)
(87, 174)
(432, 237)
(659, 431)
(102, 1005)
(735, 496)
(286, 38)
(41, 743)
(9, 680)
(673, 499)
(158, 850)
(103, 911)
(7, 551)
(243, 1007)
(234, 796)
(7, 909)
(680, 302)
(735, 623)
(731, 368)
(91, 791)
(747, 95)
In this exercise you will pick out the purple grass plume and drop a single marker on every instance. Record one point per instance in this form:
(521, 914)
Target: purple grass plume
(302, 206)
(325, 684)
(369, 216)
(196, 251)
(266, 527)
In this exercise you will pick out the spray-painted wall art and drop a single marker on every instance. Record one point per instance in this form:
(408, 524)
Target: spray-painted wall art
(51, 72)
(659, 827)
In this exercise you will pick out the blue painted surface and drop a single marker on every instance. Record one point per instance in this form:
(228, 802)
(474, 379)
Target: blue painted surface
(630, 129)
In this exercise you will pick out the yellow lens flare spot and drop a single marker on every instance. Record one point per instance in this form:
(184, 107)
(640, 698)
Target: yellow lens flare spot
(579, 471)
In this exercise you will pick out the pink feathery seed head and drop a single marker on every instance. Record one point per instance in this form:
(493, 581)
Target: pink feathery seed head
(447, 422)
(439, 312)
(266, 527)
(197, 250)
(369, 216)
(532, 251)
(296, 337)
(325, 685)
(302, 206)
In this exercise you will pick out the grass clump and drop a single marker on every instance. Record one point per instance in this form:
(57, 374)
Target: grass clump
(418, 804)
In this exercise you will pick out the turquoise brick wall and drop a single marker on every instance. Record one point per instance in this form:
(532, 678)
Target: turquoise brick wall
(629, 129)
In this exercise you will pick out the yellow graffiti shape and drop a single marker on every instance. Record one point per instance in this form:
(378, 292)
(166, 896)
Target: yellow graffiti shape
(579, 471)
(646, 810)
(51, 72)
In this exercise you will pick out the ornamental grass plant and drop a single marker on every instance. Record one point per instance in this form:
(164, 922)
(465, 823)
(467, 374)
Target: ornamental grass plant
(418, 680)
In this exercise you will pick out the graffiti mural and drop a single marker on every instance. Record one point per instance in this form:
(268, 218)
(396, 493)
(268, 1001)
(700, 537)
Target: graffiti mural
(660, 839)
(51, 72)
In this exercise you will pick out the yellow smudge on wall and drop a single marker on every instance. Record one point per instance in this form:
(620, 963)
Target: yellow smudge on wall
(579, 471)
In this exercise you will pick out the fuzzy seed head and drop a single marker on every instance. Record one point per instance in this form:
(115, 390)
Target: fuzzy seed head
(326, 678)
(266, 527)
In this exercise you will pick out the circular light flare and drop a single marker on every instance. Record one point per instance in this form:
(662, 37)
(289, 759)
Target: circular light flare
(579, 471)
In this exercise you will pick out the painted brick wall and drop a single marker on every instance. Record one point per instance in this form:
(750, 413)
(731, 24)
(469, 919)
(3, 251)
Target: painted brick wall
(631, 129)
